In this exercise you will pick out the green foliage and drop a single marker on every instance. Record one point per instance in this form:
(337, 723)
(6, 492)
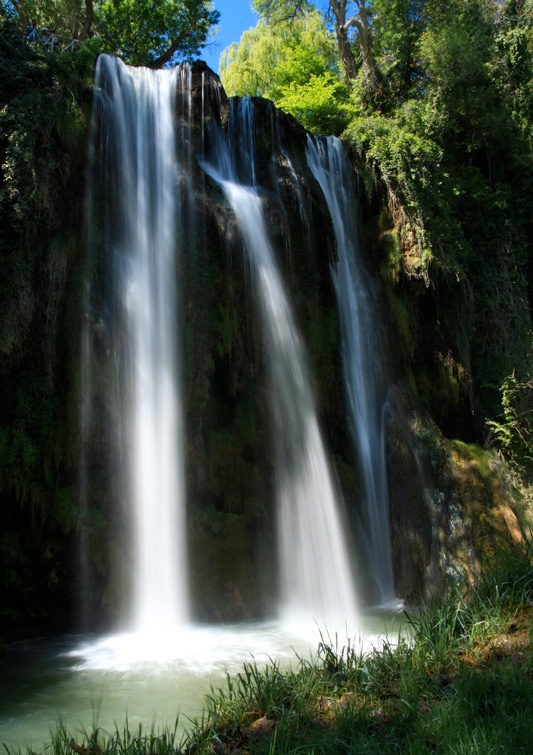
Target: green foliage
(444, 135)
(408, 163)
(142, 31)
(296, 66)
(43, 128)
(452, 144)
(65, 17)
(511, 68)
(41, 106)
(447, 679)
(157, 33)
(513, 433)
(399, 25)
(454, 56)
(279, 11)
(320, 104)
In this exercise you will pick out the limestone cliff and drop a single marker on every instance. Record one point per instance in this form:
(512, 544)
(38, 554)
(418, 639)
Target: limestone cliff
(449, 502)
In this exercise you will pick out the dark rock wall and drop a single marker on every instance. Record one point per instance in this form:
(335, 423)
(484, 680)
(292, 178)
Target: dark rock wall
(442, 506)
(229, 457)
(43, 137)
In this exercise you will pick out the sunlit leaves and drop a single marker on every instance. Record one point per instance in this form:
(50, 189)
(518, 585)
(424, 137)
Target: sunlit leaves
(321, 104)
(294, 64)
(141, 31)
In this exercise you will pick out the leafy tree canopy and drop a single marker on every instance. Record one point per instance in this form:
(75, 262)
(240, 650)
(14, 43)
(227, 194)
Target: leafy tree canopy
(437, 100)
(156, 32)
(348, 19)
(296, 65)
(141, 32)
(66, 17)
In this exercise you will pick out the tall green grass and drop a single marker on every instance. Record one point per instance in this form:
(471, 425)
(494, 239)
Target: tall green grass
(455, 681)
(452, 683)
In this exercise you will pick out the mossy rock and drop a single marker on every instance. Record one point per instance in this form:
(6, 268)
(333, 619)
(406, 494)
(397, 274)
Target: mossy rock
(453, 506)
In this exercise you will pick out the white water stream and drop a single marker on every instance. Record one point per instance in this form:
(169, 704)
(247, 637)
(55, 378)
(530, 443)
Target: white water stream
(315, 571)
(361, 356)
(138, 140)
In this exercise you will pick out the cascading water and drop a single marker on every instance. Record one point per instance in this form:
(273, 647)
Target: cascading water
(141, 196)
(315, 572)
(360, 354)
(136, 136)
(137, 139)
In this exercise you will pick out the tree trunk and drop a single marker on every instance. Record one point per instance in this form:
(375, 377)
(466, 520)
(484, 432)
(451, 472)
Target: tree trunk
(167, 55)
(22, 11)
(75, 28)
(89, 18)
(372, 75)
(364, 35)
(338, 8)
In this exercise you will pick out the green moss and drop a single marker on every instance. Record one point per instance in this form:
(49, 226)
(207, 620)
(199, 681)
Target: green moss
(481, 458)
(226, 329)
(443, 384)
(391, 253)
(402, 322)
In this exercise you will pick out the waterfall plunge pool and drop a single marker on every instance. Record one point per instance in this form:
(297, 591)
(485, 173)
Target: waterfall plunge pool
(85, 682)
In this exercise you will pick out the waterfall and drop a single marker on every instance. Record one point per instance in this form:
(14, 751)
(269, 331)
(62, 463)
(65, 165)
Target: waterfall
(134, 212)
(316, 580)
(360, 355)
(147, 207)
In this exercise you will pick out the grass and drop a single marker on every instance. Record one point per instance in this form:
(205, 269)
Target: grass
(459, 681)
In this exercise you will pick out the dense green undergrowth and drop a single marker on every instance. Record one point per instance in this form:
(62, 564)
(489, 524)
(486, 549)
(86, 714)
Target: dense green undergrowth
(438, 114)
(459, 679)
(44, 116)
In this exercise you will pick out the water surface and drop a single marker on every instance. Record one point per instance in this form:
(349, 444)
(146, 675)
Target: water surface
(85, 682)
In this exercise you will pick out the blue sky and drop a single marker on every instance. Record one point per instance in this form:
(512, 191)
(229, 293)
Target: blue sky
(236, 16)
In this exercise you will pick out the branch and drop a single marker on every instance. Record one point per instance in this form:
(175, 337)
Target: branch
(281, 12)
(166, 57)
(352, 22)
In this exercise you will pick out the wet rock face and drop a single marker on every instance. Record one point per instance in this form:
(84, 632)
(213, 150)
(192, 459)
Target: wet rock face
(449, 502)
(444, 503)
(229, 456)
(452, 504)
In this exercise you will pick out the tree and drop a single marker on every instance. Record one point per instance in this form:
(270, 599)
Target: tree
(359, 19)
(155, 32)
(347, 17)
(141, 32)
(398, 26)
(70, 18)
(295, 64)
